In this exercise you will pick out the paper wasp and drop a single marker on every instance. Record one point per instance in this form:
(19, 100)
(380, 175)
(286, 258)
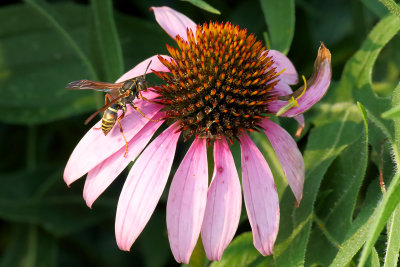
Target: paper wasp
(120, 95)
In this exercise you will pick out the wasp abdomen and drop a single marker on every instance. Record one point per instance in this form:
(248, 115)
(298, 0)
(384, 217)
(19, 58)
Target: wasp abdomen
(109, 119)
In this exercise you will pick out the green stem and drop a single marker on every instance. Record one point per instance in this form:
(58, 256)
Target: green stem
(67, 37)
(392, 6)
(31, 148)
(30, 260)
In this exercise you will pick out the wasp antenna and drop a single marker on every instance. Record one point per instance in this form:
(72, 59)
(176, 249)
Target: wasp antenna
(147, 69)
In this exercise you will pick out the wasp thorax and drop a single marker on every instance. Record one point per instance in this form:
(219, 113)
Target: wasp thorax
(219, 82)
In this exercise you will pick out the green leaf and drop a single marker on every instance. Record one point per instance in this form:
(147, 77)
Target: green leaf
(393, 243)
(198, 258)
(36, 64)
(325, 143)
(396, 121)
(357, 73)
(357, 235)
(204, 5)
(241, 252)
(391, 6)
(375, 7)
(374, 259)
(107, 41)
(334, 213)
(392, 113)
(381, 215)
(30, 246)
(279, 16)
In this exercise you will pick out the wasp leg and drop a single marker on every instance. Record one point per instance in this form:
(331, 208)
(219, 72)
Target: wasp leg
(146, 99)
(141, 113)
(122, 132)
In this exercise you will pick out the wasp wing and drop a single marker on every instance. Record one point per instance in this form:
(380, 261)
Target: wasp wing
(92, 85)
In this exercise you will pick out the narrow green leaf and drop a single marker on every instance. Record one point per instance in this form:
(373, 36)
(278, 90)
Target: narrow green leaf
(381, 215)
(204, 5)
(241, 252)
(374, 259)
(107, 40)
(391, 6)
(357, 235)
(279, 16)
(396, 121)
(392, 113)
(393, 243)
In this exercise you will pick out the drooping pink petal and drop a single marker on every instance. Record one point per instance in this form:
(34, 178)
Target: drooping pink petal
(173, 22)
(317, 86)
(288, 154)
(260, 196)
(224, 203)
(302, 124)
(144, 186)
(140, 68)
(281, 62)
(187, 201)
(95, 147)
(99, 178)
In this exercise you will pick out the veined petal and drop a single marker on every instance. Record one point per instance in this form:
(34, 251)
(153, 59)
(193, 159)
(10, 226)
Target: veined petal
(187, 201)
(289, 156)
(95, 147)
(317, 86)
(99, 178)
(173, 22)
(260, 196)
(224, 203)
(281, 89)
(144, 186)
(281, 62)
(140, 68)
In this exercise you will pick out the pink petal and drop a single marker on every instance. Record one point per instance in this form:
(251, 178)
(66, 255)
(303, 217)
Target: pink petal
(289, 156)
(224, 203)
(281, 89)
(289, 75)
(144, 186)
(140, 68)
(187, 201)
(173, 22)
(317, 86)
(95, 147)
(302, 124)
(104, 174)
(260, 196)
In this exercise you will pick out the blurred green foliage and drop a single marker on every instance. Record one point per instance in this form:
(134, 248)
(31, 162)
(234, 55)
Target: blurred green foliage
(346, 147)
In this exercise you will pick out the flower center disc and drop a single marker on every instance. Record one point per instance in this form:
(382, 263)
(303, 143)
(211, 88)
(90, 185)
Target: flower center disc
(219, 82)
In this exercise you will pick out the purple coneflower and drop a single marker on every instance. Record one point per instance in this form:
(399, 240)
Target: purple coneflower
(220, 84)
